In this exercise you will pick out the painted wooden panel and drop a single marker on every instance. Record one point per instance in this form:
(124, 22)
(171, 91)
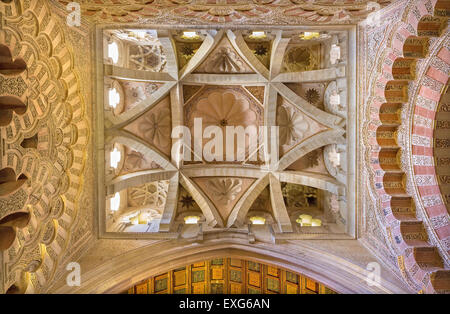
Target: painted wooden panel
(231, 276)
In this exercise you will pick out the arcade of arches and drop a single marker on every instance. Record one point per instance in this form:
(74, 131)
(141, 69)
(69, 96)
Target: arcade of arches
(245, 146)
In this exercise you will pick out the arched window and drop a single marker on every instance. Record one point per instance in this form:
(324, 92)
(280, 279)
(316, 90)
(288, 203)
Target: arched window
(113, 52)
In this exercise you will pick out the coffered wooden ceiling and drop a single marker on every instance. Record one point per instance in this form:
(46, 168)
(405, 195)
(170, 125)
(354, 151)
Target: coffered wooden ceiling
(229, 276)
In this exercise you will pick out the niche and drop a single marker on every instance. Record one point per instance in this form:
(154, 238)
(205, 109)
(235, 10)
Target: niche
(7, 65)
(9, 183)
(8, 227)
(30, 142)
(8, 103)
(20, 286)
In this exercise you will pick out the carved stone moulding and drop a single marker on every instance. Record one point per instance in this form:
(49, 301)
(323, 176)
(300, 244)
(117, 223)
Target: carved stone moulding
(218, 12)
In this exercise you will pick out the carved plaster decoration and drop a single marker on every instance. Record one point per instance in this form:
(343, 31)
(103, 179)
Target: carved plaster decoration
(334, 203)
(313, 159)
(224, 59)
(48, 143)
(262, 202)
(293, 125)
(154, 126)
(187, 202)
(186, 51)
(441, 148)
(137, 36)
(299, 196)
(189, 91)
(225, 190)
(143, 220)
(187, 206)
(303, 58)
(135, 92)
(136, 161)
(114, 11)
(312, 96)
(311, 162)
(313, 93)
(148, 58)
(186, 47)
(225, 108)
(326, 11)
(13, 86)
(260, 50)
(221, 13)
(390, 162)
(257, 92)
(217, 12)
(149, 194)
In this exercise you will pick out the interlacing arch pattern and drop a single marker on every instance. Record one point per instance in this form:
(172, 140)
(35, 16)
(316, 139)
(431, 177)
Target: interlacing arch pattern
(418, 259)
(46, 144)
(430, 87)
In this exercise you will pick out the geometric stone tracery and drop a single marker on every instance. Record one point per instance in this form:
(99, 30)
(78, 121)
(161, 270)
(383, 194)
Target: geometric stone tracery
(224, 200)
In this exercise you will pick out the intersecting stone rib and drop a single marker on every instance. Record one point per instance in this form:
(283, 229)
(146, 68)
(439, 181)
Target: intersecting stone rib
(170, 206)
(136, 75)
(323, 75)
(202, 53)
(222, 171)
(169, 49)
(318, 140)
(223, 79)
(239, 213)
(143, 106)
(278, 206)
(176, 109)
(238, 42)
(313, 112)
(208, 209)
(318, 181)
(279, 46)
(138, 178)
(139, 145)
